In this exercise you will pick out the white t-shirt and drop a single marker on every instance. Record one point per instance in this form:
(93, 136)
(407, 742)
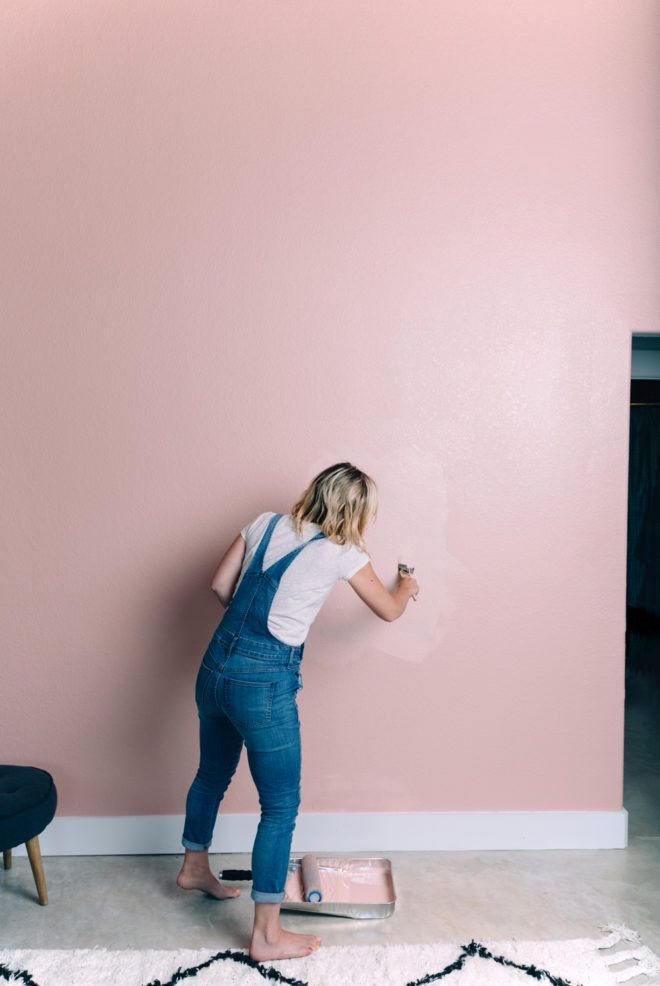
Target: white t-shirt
(308, 580)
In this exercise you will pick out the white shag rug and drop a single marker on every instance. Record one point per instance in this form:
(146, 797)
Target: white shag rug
(576, 962)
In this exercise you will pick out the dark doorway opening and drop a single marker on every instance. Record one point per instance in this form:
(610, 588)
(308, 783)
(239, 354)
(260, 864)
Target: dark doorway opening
(643, 561)
(642, 673)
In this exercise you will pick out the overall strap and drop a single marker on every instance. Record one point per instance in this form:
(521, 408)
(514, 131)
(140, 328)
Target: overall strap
(258, 558)
(283, 563)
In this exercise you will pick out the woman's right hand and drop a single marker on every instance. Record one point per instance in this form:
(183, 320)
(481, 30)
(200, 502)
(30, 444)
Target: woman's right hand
(387, 605)
(410, 584)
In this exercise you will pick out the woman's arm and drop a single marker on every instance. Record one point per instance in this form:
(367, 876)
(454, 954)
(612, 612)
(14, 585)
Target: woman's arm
(228, 570)
(388, 605)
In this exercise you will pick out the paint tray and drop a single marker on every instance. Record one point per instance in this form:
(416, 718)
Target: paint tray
(352, 888)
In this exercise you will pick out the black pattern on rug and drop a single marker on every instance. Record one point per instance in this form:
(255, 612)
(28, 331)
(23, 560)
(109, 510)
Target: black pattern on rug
(19, 976)
(474, 948)
(266, 972)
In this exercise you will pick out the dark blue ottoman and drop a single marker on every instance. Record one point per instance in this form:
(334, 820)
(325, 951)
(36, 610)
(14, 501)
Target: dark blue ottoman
(28, 799)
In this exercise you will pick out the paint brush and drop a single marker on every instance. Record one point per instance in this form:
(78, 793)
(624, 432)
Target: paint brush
(405, 569)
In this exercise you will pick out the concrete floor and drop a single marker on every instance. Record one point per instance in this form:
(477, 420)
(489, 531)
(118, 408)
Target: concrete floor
(133, 901)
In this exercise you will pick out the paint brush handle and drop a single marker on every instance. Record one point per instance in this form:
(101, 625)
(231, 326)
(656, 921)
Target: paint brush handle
(405, 569)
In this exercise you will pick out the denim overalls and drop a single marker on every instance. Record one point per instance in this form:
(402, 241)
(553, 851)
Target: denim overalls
(246, 692)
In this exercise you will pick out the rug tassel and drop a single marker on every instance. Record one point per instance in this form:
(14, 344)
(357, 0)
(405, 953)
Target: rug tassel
(646, 962)
(618, 932)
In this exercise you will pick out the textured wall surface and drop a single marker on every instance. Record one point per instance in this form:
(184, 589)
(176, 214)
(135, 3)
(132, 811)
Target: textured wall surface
(246, 240)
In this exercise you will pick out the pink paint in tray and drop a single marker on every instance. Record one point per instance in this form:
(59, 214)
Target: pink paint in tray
(353, 887)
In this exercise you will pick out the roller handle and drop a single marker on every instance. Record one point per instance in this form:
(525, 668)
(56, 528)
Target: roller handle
(235, 875)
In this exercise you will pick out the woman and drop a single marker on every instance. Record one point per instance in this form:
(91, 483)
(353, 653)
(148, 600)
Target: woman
(273, 579)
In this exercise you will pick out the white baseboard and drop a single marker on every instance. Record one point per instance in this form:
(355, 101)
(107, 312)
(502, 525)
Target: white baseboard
(345, 832)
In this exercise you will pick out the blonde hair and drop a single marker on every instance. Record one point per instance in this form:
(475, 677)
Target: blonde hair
(342, 500)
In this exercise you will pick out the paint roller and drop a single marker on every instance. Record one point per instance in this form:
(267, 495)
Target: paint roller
(311, 878)
(309, 871)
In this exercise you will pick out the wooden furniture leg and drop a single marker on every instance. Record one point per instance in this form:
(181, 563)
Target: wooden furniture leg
(6, 858)
(33, 851)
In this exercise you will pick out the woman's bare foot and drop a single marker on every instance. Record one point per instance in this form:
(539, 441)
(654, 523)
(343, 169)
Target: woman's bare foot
(208, 883)
(195, 874)
(281, 945)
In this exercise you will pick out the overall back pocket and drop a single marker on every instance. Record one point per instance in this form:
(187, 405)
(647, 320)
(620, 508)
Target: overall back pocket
(204, 678)
(248, 703)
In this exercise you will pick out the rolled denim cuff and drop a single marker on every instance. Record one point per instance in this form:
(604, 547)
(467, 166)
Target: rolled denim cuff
(195, 846)
(260, 897)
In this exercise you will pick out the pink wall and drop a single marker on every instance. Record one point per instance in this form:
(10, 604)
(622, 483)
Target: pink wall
(246, 240)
